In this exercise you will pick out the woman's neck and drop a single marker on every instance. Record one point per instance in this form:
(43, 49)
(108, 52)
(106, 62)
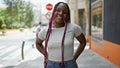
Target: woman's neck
(58, 25)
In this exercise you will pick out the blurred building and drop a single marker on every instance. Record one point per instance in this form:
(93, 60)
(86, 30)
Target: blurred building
(37, 13)
(100, 22)
(105, 30)
(79, 13)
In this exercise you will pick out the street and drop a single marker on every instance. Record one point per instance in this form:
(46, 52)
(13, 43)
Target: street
(10, 47)
(10, 53)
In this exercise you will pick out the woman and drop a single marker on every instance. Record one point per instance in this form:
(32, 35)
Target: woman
(59, 39)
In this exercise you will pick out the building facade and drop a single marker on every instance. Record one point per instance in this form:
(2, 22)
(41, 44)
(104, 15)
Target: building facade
(105, 30)
(100, 22)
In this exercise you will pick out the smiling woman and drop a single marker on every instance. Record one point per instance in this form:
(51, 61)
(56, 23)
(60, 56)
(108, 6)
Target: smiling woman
(59, 37)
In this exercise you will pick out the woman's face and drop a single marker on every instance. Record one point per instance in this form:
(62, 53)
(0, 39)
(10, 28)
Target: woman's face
(61, 13)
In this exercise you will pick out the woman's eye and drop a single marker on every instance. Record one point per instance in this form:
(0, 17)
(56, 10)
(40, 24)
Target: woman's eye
(57, 10)
(63, 11)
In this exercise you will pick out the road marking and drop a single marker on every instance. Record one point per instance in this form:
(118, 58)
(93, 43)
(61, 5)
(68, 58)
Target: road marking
(6, 50)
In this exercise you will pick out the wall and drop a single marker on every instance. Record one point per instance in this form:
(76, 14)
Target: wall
(112, 21)
(110, 48)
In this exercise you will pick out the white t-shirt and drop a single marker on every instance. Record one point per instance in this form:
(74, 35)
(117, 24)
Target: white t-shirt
(54, 43)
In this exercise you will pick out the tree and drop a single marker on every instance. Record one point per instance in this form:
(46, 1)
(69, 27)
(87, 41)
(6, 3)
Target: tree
(28, 15)
(3, 26)
(18, 13)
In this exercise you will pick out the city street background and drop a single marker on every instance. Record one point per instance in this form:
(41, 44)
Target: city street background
(10, 53)
(11, 45)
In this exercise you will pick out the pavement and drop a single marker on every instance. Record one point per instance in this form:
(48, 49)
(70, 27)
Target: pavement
(88, 59)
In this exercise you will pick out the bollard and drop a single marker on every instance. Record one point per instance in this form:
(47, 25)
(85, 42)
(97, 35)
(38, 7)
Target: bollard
(22, 50)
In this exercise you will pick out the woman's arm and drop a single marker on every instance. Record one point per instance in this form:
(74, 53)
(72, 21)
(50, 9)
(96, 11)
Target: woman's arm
(40, 46)
(82, 40)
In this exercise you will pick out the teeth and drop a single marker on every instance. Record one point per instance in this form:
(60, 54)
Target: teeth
(59, 16)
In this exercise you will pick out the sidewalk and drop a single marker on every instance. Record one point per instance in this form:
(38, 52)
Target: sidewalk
(88, 59)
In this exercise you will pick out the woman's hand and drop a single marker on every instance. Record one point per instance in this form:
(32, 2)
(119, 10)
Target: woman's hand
(40, 46)
(45, 60)
(75, 63)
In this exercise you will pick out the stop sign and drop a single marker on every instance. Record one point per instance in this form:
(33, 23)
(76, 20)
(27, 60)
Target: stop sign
(49, 6)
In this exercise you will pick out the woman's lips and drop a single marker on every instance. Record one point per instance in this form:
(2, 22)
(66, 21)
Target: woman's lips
(59, 17)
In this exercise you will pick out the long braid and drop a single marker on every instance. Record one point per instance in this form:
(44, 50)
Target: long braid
(47, 39)
(62, 45)
(49, 32)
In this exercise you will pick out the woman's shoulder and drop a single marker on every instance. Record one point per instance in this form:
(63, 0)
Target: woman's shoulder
(73, 25)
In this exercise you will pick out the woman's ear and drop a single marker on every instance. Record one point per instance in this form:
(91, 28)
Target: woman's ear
(67, 18)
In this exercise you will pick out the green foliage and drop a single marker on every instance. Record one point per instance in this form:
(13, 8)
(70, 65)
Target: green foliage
(21, 29)
(17, 14)
(3, 26)
(97, 20)
(4, 31)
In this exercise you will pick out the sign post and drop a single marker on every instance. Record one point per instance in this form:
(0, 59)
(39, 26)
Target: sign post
(48, 15)
(49, 7)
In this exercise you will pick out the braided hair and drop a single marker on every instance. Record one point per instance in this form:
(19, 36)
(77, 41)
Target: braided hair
(50, 29)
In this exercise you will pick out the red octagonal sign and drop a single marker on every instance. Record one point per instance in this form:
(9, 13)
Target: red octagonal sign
(49, 6)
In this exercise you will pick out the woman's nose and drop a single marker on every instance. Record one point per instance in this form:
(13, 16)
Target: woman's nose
(61, 12)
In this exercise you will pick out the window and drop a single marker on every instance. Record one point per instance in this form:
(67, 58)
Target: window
(97, 22)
